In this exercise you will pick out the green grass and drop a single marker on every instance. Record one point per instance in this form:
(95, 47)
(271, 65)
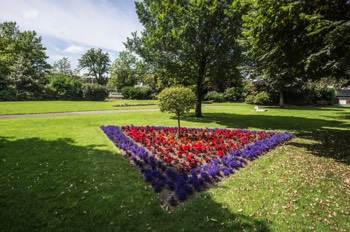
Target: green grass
(34, 107)
(62, 173)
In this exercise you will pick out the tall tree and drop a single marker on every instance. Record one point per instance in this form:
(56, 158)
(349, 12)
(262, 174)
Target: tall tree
(22, 50)
(329, 31)
(293, 41)
(62, 66)
(193, 41)
(96, 63)
(124, 71)
(275, 37)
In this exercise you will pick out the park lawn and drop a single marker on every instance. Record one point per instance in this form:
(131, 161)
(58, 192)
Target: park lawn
(35, 107)
(63, 173)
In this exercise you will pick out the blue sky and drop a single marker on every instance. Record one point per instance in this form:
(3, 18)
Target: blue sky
(69, 27)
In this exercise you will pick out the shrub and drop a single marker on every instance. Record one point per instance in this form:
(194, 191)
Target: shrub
(177, 100)
(261, 98)
(8, 94)
(214, 96)
(94, 92)
(323, 96)
(144, 92)
(248, 89)
(66, 87)
(232, 94)
(249, 99)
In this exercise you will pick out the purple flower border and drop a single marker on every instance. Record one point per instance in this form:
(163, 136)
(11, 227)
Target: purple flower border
(161, 176)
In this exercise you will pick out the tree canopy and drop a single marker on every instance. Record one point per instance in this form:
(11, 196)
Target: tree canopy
(96, 63)
(126, 70)
(292, 41)
(22, 63)
(192, 41)
(178, 100)
(62, 66)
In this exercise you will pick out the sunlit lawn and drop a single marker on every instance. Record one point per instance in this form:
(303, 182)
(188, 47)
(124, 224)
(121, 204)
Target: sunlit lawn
(63, 173)
(32, 107)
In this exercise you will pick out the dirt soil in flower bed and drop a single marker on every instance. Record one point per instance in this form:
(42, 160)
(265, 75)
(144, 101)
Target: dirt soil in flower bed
(177, 168)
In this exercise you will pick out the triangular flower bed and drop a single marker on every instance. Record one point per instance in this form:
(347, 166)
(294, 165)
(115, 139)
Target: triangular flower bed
(176, 168)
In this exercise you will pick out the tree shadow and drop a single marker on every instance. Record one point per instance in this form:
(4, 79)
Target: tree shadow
(309, 108)
(332, 136)
(58, 185)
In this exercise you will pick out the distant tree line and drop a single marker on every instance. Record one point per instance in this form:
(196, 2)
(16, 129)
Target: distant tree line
(26, 75)
(261, 52)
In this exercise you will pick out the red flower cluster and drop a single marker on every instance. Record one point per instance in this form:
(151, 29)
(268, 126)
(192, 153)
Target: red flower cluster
(195, 147)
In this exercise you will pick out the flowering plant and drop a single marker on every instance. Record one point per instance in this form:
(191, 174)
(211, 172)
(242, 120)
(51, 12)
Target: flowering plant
(199, 157)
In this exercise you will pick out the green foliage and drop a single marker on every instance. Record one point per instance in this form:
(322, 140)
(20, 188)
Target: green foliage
(261, 98)
(96, 63)
(233, 94)
(177, 100)
(274, 36)
(214, 96)
(192, 42)
(66, 87)
(22, 64)
(139, 93)
(290, 42)
(248, 89)
(329, 30)
(94, 92)
(323, 96)
(62, 66)
(249, 99)
(124, 71)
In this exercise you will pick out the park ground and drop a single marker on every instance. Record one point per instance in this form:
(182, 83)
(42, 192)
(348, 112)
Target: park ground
(62, 173)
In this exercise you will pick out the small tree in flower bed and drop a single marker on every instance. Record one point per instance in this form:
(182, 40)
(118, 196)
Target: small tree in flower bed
(177, 100)
(176, 168)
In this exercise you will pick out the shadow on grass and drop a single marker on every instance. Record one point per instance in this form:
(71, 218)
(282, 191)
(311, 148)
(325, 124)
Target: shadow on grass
(57, 185)
(332, 136)
(309, 108)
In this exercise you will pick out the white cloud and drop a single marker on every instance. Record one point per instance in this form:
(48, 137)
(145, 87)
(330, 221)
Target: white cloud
(30, 14)
(93, 23)
(74, 49)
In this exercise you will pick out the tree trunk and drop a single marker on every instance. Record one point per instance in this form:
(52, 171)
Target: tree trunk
(199, 90)
(198, 112)
(281, 98)
(178, 128)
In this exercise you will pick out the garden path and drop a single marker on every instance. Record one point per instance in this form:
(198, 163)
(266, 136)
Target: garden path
(82, 112)
(76, 113)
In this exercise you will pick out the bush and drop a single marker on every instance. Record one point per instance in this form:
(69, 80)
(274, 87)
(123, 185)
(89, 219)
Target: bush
(323, 96)
(65, 87)
(249, 99)
(248, 89)
(232, 94)
(94, 92)
(139, 93)
(8, 95)
(261, 98)
(214, 96)
(177, 100)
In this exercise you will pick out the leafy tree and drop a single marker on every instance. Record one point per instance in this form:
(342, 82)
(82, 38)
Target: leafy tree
(23, 65)
(275, 37)
(94, 92)
(96, 63)
(329, 31)
(66, 87)
(62, 66)
(291, 42)
(177, 100)
(191, 41)
(124, 71)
